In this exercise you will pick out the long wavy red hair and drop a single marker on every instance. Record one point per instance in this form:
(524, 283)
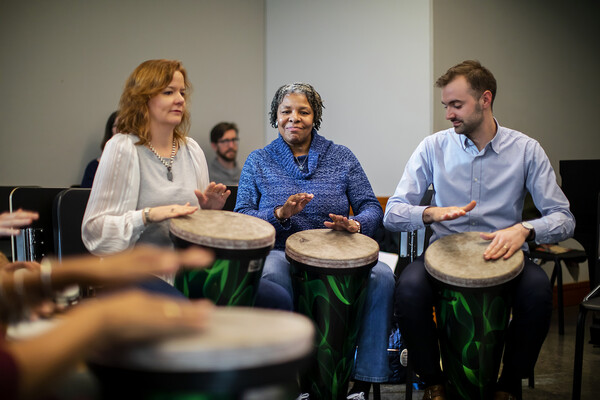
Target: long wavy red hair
(145, 82)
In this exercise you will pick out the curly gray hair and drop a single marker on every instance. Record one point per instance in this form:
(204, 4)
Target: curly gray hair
(313, 97)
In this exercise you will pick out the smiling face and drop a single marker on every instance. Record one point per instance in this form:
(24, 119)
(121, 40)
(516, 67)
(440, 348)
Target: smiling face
(295, 120)
(167, 107)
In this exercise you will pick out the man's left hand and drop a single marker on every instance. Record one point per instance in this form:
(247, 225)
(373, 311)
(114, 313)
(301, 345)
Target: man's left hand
(505, 242)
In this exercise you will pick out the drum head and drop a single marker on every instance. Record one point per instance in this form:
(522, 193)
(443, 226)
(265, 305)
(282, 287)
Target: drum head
(236, 338)
(458, 260)
(331, 249)
(224, 230)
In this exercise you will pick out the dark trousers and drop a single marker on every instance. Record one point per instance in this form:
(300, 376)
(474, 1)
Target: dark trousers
(532, 309)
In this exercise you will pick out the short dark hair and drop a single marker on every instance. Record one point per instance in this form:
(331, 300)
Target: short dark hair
(313, 97)
(219, 130)
(108, 129)
(479, 77)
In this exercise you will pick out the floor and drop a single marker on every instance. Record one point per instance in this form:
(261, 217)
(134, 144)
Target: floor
(554, 369)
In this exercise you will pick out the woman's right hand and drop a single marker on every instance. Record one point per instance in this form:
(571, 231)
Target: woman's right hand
(161, 213)
(293, 205)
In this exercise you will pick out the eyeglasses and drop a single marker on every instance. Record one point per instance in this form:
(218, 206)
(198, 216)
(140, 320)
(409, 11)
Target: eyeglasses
(227, 141)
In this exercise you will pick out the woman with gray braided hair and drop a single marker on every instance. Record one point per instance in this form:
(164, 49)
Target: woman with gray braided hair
(303, 181)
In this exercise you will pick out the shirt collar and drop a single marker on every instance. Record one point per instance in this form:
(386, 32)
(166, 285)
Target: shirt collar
(495, 144)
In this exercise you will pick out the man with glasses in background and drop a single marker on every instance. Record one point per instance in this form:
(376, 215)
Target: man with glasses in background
(224, 140)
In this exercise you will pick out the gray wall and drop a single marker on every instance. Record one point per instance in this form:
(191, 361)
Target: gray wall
(64, 63)
(371, 63)
(545, 56)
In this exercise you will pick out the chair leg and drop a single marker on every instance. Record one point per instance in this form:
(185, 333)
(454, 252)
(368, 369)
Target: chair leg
(559, 292)
(578, 361)
(409, 376)
(376, 392)
(531, 380)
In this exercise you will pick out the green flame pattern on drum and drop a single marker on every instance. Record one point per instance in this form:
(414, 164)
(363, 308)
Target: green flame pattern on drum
(226, 282)
(334, 304)
(474, 325)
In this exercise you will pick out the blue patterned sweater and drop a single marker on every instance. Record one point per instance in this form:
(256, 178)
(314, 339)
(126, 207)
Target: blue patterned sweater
(334, 175)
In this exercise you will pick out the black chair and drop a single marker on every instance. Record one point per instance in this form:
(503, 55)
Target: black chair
(590, 303)
(68, 209)
(36, 241)
(552, 254)
(576, 256)
(581, 186)
(230, 202)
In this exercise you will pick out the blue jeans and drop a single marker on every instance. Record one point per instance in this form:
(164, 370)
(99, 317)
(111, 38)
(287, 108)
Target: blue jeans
(372, 363)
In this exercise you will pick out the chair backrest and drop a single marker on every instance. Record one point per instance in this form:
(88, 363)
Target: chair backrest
(230, 202)
(582, 186)
(69, 207)
(35, 241)
(413, 244)
(5, 244)
(598, 235)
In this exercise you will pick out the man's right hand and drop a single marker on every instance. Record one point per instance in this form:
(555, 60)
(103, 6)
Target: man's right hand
(437, 214)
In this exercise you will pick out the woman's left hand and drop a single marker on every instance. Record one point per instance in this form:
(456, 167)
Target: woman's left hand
(214, 196)
(341, 223)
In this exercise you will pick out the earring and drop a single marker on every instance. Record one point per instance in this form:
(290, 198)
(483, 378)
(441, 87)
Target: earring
(276, 124)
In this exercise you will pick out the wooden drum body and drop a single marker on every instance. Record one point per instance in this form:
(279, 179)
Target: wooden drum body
(242, 349)
(241, 244)
(330, 271)
(472, 310)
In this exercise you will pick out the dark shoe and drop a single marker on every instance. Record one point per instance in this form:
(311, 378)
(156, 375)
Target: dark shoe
(504, 396)
(435, 392)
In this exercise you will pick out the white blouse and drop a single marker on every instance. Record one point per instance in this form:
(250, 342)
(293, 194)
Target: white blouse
(112, 222)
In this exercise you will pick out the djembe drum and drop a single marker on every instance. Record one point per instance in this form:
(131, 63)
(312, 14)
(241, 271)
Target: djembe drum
(472, 311)
(243, 350)
(330, 270)
(241, 244)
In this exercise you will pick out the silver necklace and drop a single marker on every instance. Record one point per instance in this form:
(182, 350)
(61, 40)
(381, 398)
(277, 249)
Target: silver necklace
(169, 163)
(301, 166)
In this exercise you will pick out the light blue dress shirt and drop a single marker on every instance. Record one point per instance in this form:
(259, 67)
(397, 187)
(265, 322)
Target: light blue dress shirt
(498, 177)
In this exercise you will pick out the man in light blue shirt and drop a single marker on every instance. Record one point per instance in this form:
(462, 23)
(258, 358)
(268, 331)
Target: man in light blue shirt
(480, 173)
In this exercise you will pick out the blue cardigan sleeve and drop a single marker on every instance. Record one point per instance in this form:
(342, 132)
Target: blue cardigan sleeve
(366, 207)
(249, 195)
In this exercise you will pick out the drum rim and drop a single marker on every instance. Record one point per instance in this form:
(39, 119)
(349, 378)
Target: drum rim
(173, 358)
(317, 262)
(264, 242)
(473, 283)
